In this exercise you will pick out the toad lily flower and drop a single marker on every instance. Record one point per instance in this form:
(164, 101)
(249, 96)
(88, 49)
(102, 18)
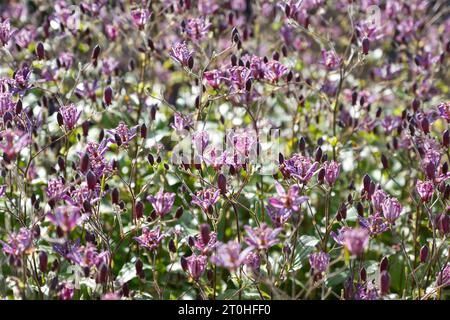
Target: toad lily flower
(262, 237)
(65, 217)
(391, 209)
(356, 240)
(150, 239)
(230, 256)
(162, 202)
(206, 198)
(289, 201)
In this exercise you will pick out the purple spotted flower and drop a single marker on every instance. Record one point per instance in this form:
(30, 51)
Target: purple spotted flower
(140, 17)
(206, 246)
(181, 53)
(97, 161)
(299, 167)
(18, 243)
(284, 204)
(356, 240)
(14, 142)
(378, 198)
(332, 169)
(331, 60)
(206, 198)
(150, 239)
(425, 189)
(197, 28)
(55, 188)
(374, 224)
(5, 32)
(65, 217)
(230, 256)
(196, 265)
(262, 237)
(2, 190)
(391, 209)
(238, 76)
(181, 122)
(214, 78)
(444, 110)
(274, 70)
(319, 262)
(66, 291)
(70, 115)
(443, 277)
(339, 236)
(122, 133)
(162, 202)
(65, 60)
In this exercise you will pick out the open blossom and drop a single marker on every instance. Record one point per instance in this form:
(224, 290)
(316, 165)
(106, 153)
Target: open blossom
(230, 256)
(150, 239)
(339, 236)
(206, 198)
(331, 60)
(181, 123)
(443, 277)
(319, 261)
(332, 169)
(262, 237)
(70, 115)
(299, 167)
(65, 60)
(391, 209)
(374, 224)
(97, 161)
(55, 188)
(274, 70)
(238, 76)
(123, 133)
(18, 243)
(444, 110)
(289, 201)
(162, 202)
(378, 198)
(65, 217)
(5, 32)
(206, 246)
(201, 140)
(214, 78)
(197, 28)
(425, 190)
(140, 17)
(196, 265)
(14, 142)
(66, 291)
(181, 53)
(356, 240)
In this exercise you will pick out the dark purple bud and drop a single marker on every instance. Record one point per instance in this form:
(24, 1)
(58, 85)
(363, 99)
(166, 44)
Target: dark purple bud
(103, 274)
(276, 56)
(184, 264)
(287, 10)
(60, 119)
(416, 104)
(144, 131)
(85, 127)
(19, 106)
(95, 52)
(107, 96)
(425, 125)
(248, 85)
(354, 97)
(172, 247)
(363, 274)
(204, 233)
(384, 162)
(40, 51)
(91, 180)
(318, 156)
(139, 210)
(191, 241)
(302, 144)
(87, 206)
(424, 253)
(430, 170)
(84, 165)
(43, 261)
(360, 209)
(280, 158)
(365, 45)
(289, 76)
(117, 139)
(179, 213)
(151, 159)
(321, 175)
(446, 138)
(385, 282)
(222, 184)
(384, 264)
(139, 266)
(115, 196)
(366, 182)
(61, 163)
(443, 223)
(284, 50)
(191, 62)
(153, 113)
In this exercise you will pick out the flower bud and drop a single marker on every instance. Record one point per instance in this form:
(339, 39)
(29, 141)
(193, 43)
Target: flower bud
(84, 165)
(143, 131)
(91, 180)
(107, 96)
(139, 266)
(365, 45)
(40, 51)
(384, 162)
(204, 233)
(385, 282)
(172, 247)
(446, 138)
(222, 184)
(424, 253)
(384, 264)
(95, 52)
(115, 196)
(43, 261)
(184, 264)
(139, 210)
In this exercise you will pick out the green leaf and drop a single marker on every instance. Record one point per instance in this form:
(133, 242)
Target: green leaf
(305, 245)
